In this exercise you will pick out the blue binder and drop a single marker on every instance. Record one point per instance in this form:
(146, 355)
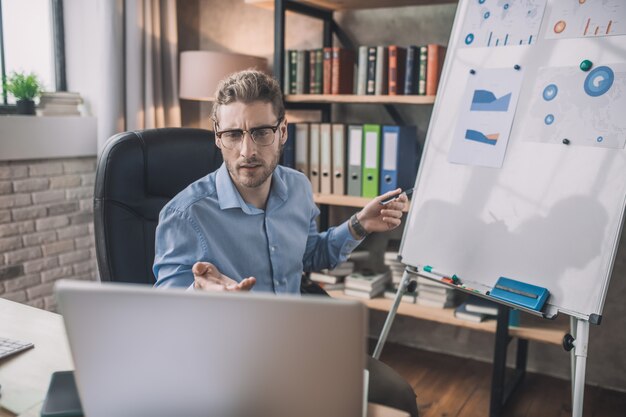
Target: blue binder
(399, 156)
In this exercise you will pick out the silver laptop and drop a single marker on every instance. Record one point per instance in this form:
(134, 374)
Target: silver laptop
(140, 351)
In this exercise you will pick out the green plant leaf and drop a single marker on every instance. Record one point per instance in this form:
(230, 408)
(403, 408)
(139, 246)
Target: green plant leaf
(23, 86)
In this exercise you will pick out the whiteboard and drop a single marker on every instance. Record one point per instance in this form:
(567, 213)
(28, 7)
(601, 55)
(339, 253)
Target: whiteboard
(551, 215)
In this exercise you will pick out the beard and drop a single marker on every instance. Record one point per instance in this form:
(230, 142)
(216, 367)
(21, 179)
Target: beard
(259, 176)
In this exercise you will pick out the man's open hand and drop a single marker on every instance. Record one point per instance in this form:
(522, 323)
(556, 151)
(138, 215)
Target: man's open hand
(207, 277)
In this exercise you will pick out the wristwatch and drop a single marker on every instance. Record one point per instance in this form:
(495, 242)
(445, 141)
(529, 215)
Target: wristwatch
(358, 227)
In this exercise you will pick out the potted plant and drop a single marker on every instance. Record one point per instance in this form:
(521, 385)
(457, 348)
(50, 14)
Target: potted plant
(24, 87)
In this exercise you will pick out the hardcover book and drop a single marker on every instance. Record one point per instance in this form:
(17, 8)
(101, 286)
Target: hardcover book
(434, 64)
(370, 85)
(411, 69)
(397, 65)
(342, 75)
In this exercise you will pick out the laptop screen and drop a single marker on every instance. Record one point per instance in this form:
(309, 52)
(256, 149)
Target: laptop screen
(164, 352)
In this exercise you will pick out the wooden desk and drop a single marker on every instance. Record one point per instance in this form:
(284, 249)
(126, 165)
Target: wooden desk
(25, 376)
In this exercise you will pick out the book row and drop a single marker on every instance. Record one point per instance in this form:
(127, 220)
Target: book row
(373, 70)
(360, 160)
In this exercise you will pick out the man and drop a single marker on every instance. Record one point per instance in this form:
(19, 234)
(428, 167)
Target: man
(250, 225)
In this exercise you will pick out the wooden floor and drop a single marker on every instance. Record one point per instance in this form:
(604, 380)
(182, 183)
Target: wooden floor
(448, 386)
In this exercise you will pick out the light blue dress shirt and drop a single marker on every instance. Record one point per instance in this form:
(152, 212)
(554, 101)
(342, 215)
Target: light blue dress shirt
(209, 221)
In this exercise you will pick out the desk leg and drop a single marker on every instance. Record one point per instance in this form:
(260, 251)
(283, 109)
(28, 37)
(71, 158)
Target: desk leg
(581, 345)
(499, 362)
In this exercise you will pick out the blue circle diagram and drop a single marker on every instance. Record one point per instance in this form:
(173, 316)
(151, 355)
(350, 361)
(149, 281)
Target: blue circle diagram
(506, 6)
(599, 139)
(469, 38)
(481, 1)
(486, 15)
(549, 119)
(599, 81)
(550, 92)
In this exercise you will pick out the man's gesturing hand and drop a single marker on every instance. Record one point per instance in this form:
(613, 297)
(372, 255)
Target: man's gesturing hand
(378, 218)
(207, 277)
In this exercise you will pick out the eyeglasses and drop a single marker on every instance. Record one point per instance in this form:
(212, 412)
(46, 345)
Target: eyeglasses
(262, 135)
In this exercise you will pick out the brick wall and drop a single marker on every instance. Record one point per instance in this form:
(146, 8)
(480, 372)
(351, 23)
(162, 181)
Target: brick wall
(46, 227)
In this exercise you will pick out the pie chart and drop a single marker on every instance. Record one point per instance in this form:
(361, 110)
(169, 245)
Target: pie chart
(599, 81)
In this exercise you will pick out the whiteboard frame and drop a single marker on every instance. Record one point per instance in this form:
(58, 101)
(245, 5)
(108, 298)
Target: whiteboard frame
(612, 235)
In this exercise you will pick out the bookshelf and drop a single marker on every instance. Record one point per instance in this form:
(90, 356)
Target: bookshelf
(323, 10)
(539, 330)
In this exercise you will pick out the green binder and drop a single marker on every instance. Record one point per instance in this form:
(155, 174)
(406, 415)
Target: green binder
(371, 160)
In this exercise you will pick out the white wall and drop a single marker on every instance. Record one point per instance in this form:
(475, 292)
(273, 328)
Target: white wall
(94, 64)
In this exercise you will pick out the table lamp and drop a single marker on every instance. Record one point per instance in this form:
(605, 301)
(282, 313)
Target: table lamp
(201, 71)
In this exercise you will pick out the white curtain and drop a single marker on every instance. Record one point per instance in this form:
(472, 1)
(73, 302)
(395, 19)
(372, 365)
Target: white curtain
(151, 73)
(122, 56)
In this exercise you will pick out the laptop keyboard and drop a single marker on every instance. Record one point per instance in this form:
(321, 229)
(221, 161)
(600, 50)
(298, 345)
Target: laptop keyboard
(10, 346)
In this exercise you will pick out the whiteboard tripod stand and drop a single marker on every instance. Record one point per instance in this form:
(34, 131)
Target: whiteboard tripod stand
(576, 342)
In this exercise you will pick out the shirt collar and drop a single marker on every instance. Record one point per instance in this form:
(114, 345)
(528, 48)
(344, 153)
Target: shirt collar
(227, 193)
(279, 187)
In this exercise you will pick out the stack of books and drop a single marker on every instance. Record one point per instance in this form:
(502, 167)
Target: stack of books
(407, 297)
(332, 279)
(476, 309)
(396, 268)
(434, 294)
(366, 284)
(60, 103)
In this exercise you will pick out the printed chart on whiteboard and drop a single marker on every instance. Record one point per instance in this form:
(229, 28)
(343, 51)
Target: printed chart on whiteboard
(586, 18)
(586, 108)
(502, 23)
(486, 117)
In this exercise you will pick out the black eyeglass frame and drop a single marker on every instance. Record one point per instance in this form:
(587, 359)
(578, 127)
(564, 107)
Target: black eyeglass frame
(218, 134)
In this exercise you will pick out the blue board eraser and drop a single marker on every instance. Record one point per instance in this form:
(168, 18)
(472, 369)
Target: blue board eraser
(516, 292)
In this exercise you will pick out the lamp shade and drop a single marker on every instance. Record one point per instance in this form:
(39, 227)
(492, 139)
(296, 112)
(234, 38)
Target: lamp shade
(201, 71)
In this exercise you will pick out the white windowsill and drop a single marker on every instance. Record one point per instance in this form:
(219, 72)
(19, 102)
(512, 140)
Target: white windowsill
(44, 137)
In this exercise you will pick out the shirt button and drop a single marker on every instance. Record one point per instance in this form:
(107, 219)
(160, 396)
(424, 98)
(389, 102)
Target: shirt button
(273, 248)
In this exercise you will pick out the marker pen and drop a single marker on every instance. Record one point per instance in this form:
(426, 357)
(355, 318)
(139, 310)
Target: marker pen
(453, 278)
(430, 269)
(390, 199)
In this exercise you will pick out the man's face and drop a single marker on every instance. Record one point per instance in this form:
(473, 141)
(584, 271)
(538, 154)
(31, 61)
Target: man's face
(250, 164)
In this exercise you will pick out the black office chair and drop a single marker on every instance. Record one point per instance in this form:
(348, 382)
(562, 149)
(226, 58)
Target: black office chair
(138, 173)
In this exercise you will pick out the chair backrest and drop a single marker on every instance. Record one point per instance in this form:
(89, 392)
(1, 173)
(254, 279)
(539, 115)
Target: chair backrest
(137, 174)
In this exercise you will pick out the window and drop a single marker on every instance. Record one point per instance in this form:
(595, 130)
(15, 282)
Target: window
(28, 29)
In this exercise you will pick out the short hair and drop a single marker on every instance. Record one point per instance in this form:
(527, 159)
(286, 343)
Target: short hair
(248, 86)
